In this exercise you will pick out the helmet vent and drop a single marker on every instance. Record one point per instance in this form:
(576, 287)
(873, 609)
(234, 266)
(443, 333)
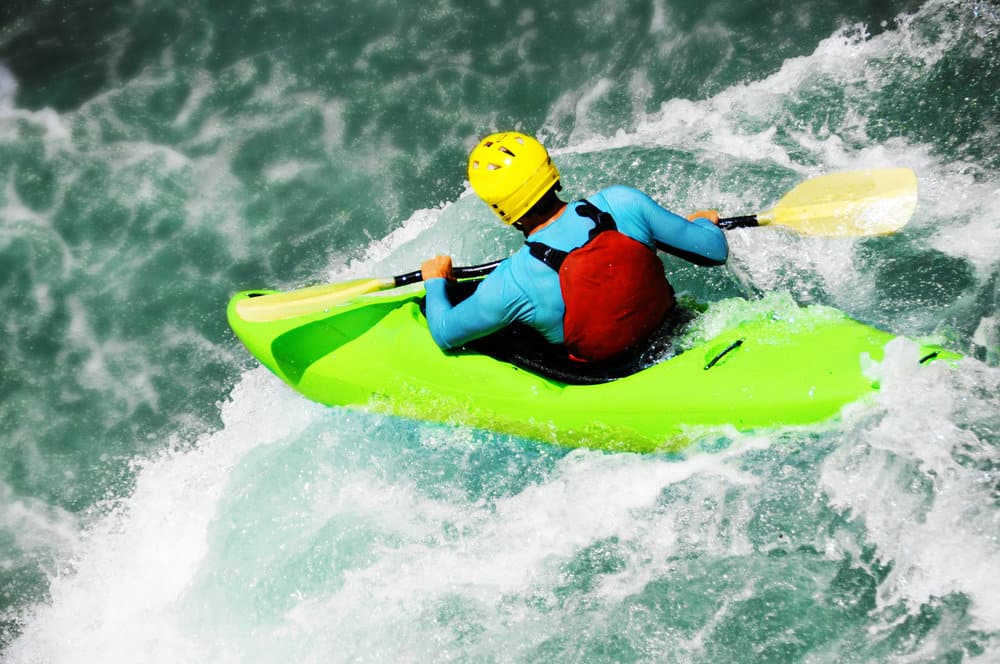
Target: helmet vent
(492, 167)
(506, 151)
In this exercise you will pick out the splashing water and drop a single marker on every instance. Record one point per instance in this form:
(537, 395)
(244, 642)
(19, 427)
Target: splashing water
(162, 495)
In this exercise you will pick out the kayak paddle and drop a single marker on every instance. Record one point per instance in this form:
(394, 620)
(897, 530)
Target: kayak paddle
(852, 204)
(276, 306)
(876, 201)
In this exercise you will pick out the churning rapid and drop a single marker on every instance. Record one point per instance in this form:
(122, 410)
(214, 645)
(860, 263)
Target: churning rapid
(163, 497)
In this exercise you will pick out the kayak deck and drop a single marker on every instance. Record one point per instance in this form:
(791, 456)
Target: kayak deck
(375, 352)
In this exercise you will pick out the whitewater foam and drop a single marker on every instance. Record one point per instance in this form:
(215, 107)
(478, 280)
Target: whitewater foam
(133, 565)
(302, 533)
(914, 478)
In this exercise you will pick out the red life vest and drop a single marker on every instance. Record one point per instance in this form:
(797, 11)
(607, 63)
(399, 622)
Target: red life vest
(613, 286)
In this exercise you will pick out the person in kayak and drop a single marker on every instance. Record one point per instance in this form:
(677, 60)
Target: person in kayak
(588, 277)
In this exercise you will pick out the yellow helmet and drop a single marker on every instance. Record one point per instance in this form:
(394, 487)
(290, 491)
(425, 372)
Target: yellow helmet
(510, 171)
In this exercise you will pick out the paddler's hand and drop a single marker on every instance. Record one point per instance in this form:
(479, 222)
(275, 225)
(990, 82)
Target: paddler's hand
(711, 215)
(439, 266)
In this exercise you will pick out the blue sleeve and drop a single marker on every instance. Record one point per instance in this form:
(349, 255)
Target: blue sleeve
(699, 241)
(484, 312)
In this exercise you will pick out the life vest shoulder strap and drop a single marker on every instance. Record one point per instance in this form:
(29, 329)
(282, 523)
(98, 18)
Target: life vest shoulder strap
(603, 221)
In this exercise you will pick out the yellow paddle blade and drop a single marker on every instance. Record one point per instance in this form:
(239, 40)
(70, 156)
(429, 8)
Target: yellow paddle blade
(876, 201)
(277, 306)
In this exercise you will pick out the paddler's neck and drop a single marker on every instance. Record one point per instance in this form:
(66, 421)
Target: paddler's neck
(527, 226)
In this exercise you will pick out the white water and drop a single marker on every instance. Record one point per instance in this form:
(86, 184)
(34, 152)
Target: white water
(302, 533)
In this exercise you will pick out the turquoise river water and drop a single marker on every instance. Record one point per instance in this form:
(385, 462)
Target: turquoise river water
(165, 499)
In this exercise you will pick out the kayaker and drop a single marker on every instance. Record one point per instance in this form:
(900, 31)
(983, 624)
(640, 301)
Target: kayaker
(588, 277)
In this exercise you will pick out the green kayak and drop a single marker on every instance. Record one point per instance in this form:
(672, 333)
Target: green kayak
(375, 352)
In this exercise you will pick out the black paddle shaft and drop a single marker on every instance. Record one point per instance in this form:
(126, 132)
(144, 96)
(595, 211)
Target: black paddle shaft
(748, 221)
(460, 273)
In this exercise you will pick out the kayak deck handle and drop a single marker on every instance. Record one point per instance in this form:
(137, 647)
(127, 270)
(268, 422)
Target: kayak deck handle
(725, 351)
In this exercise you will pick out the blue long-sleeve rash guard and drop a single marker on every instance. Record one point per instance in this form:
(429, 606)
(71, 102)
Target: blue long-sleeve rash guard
(523, 289)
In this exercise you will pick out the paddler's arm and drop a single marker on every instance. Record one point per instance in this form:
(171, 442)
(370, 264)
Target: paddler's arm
(482, 313)
(699, 241)
(696, 239)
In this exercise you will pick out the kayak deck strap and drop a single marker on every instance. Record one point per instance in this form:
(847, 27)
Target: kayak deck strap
(929, 356)
(725, 351)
